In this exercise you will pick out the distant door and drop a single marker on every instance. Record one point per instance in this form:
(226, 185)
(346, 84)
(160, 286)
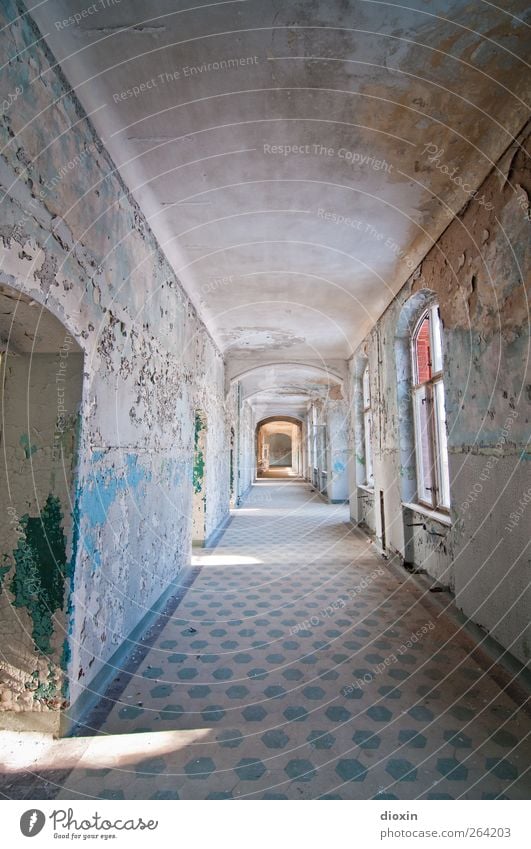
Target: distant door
(280, 450)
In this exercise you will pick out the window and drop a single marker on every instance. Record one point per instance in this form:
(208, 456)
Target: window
(367, 427)
(433, 481)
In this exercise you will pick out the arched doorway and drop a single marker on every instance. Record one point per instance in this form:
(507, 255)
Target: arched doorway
(41, 373)
(279, 447)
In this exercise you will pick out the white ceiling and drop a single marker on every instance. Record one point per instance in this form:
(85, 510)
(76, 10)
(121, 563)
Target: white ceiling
(251, 232)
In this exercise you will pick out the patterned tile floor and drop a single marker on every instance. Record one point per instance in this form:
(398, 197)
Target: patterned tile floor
(300, 665)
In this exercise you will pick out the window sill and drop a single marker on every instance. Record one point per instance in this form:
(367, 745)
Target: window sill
(365, 488)
(442, 518)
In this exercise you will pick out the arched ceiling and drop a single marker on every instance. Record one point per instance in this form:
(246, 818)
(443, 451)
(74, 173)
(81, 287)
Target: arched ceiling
(287, 388)
(280, 149)
(27, 327)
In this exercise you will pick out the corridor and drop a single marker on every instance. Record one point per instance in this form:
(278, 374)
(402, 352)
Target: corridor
(291, 670)
(265, 400)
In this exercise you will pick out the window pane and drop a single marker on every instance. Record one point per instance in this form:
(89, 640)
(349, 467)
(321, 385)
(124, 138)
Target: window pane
(422, 351)
(436, 340)
(369, 472)
(366, 388)
(423, 446)
(442, 445)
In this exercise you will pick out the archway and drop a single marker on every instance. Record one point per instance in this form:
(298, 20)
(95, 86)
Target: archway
(41, 378)
(279, 447)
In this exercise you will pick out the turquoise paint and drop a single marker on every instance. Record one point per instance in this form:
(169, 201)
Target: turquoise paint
(100, 492)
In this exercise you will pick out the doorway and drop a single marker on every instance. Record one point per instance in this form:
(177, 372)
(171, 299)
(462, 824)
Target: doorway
(41, 376)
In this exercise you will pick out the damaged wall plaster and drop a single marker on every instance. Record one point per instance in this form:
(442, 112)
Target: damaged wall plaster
(475, 273)
(73, 238)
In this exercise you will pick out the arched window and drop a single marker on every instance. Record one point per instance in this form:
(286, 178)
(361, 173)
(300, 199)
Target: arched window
(367, 427)
(433, 481)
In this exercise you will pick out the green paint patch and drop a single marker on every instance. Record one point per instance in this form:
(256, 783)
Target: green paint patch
(40, 570)
(199, 457)
(46, 691)
(28, 447)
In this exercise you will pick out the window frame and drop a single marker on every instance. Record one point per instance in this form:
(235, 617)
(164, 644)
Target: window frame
(366, 405)
(430, 392)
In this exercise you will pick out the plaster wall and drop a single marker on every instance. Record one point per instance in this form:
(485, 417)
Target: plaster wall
(475, 272)
(73, 238)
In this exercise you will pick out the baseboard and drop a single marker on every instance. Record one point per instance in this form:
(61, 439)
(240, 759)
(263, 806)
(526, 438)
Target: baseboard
(74, 716)
(213, 538)
(243, 496)
(487, 650)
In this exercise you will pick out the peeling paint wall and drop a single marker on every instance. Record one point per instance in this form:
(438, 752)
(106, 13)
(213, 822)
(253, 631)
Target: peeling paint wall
(475, 272)
(73, 238)
(36, 479)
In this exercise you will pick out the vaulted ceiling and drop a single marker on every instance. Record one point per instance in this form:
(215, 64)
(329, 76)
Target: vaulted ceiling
(280, 149)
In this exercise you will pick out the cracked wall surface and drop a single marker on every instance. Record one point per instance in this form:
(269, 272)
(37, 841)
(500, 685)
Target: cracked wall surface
(74, 240)
(475, 271)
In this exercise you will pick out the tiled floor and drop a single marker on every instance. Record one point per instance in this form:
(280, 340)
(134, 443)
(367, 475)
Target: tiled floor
(291, 670)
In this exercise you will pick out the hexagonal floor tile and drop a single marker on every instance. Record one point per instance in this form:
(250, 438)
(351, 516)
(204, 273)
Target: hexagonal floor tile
(223, 673)
(150, 767)
(199, 768)
(230, 738)
(254, 713)
(366, 739)
(250, 769)
(292, 674)
(321, 739)
(199, 691)
(275, 739)
(314, 693)
(410, 737)
(350, 769)
(213, 713)
(130, 712)
(274, 691)
(162, 691)
(401, 769)
(452, 769)
(458, 739)
(423, 714)
(501, 768)
(378, 713)
(236, 691)
(296, 713)
(152, 672)
(337, 713)
(300, 769)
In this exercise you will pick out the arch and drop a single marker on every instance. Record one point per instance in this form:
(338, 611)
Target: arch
(329, 372)
(279, 443)
(45, 308)
(292, 419)
(42, 374)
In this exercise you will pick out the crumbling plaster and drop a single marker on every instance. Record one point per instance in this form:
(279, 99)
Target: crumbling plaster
(475, 272)
(74, 240)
